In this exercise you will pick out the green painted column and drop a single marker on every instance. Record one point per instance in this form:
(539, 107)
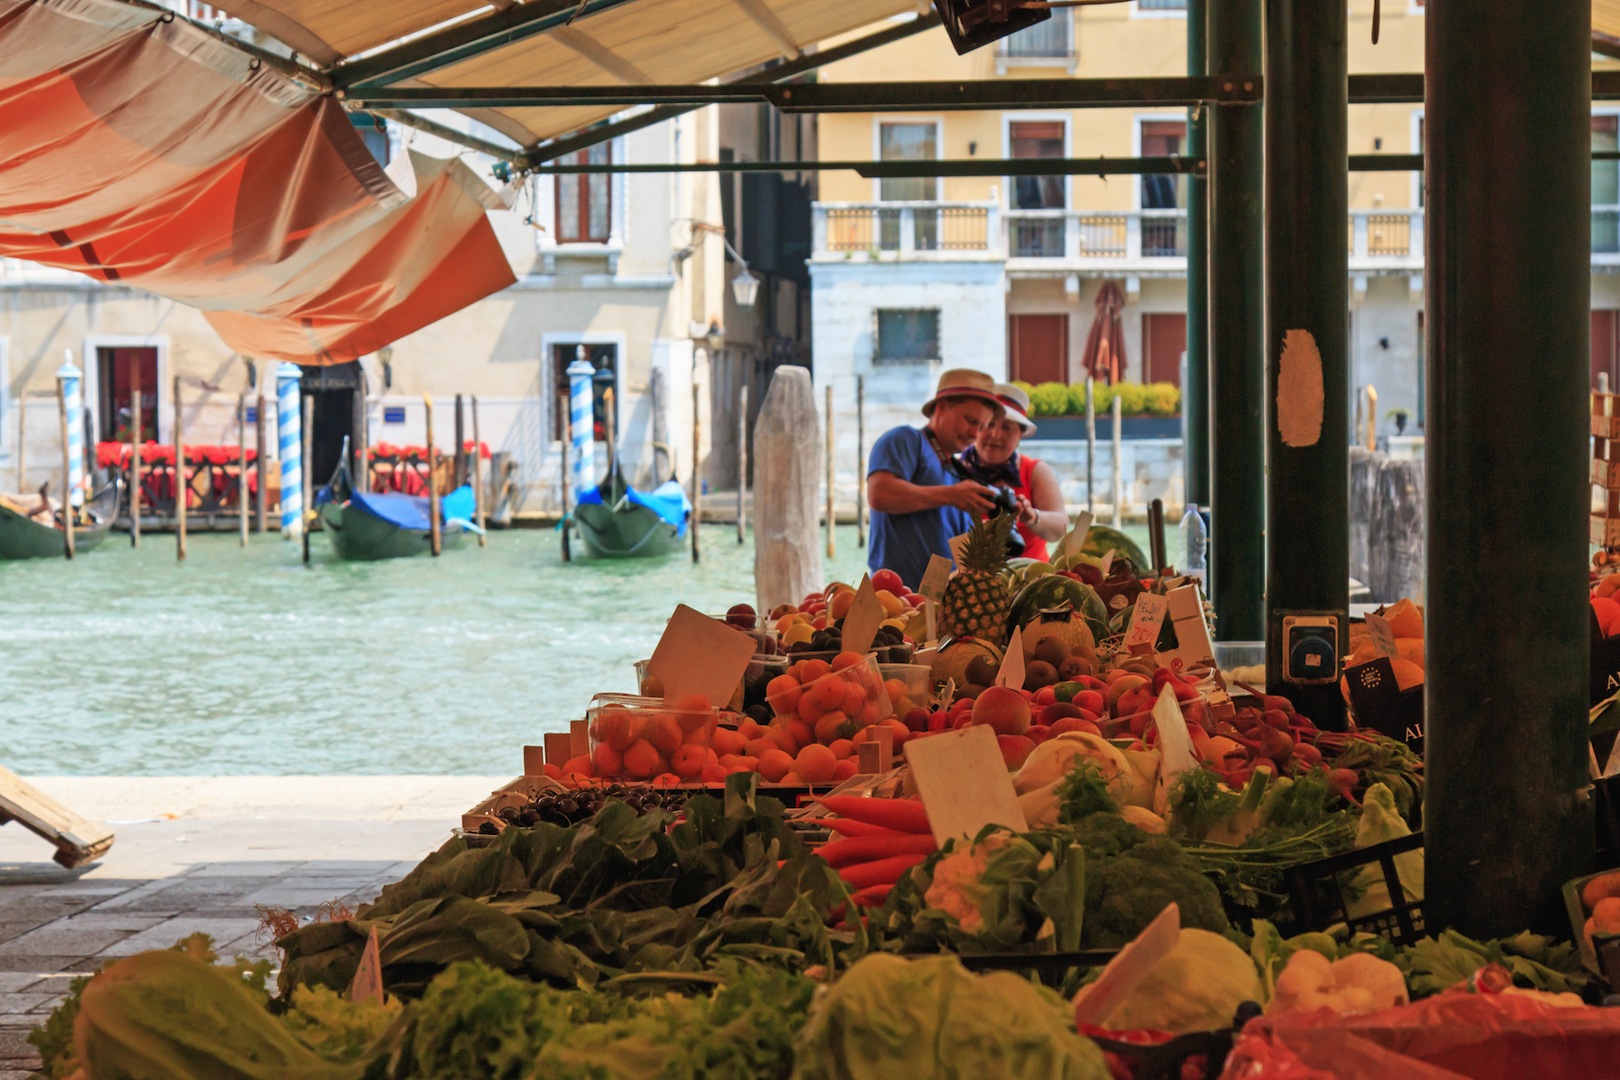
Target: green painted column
(1237, 444)
(1307, 324)
(1507, 106)
(1195, 393)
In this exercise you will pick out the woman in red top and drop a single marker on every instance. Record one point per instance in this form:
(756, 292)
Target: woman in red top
(994, 459)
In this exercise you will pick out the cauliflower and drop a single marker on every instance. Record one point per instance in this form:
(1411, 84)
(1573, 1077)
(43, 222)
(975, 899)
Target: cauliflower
(1358, 983)
(1198, 987)
(957, 888)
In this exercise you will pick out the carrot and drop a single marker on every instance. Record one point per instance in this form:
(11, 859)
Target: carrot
(851, 827)
(878, 871)
(902, 815)
(872, 896)
(866, 848)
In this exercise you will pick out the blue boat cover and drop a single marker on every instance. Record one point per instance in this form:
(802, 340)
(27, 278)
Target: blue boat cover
(668, 501)
(411, 511)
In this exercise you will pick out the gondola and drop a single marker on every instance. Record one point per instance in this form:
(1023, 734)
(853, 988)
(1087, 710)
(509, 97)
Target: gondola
(616, 521)
(21, 537)
(365, 525)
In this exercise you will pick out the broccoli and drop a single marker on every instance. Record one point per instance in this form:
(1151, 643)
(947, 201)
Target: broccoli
(1127, 891)
(1105, 834)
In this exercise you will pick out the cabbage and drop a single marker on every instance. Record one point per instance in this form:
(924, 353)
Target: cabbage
(1198, 987)
(889, 1017)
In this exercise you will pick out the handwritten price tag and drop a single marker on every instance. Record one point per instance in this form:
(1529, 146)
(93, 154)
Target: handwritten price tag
(1147, 617)
(934, 578)
(1383, 638)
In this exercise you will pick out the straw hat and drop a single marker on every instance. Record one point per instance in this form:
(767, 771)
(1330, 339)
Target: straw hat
(1016, 402)
(962, 383)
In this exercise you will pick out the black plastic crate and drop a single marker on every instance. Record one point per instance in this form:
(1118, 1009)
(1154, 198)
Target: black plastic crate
(1317, 892)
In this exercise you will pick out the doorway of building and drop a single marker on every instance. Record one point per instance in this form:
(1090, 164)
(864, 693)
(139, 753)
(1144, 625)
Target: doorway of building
(331, 392)
(119, 371)
(605, 359)
(1038, 348)
(1164, 339)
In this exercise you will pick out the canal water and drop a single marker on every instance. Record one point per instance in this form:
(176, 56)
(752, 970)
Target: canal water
(242, 661)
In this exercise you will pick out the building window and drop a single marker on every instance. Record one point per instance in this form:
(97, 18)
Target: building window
(605, 358)
(120, 371)
(585, 200)
(1050, 39)
(1041, 139)
(1606, 186)
(1161, 5)
(907, 335)
(909, 142)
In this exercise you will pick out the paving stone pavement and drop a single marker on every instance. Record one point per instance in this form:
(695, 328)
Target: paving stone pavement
(200, 854)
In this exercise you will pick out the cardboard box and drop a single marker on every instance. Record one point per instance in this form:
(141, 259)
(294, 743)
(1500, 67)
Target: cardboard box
(1380, 704)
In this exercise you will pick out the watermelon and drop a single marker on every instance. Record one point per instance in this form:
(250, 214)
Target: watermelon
(1101, 539)
(1055, 590)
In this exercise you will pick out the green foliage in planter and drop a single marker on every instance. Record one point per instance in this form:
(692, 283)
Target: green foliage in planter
(1132, 398)
(1162, 399)
(1102, 396)
(1049, 399)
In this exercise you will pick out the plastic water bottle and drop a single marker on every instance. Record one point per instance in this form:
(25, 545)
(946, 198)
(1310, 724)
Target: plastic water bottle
(1194, 540)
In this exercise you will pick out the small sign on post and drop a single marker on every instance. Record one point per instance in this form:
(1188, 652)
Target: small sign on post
(862, 620)
(1011, 672)
(700, 655)
(964, 783)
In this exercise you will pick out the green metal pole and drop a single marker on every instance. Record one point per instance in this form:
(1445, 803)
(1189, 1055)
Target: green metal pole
(1508, 110)
(1237, 460)
(1195, 394)
(1307, 324)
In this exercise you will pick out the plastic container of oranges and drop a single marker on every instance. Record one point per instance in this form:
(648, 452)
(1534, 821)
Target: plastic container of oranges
(760, 671)
(846, 691)
(643, 739)
(909, 686)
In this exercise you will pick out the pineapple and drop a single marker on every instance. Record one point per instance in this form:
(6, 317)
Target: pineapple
(976, 600)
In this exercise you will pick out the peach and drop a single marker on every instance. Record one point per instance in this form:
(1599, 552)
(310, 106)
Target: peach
(692, 703)
(854, 697)
(1090, 701)
(756, 747)
(1015, 749)
(608, 761)
(1073, 723)
(614, 726)
(1051, 714)
(792, 779)
(666, 780)
(727, 740)
(774, 764)
(802, 732)
(845, 769)
(750, 761)
(751, 729)
(642, 760)
(1002, 709)
(580, 763)
(577, 780)
(783, 693)
(846, 660)
(714, 774)
(825, 696)
(842, 748)
(663, 731)
(811, 670)
(688, 761)
(901, 732)
(840, 604)
(815, 763)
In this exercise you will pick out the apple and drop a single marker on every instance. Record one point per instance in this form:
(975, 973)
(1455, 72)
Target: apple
(888, 580)
(1015, 749)
(1004, 710)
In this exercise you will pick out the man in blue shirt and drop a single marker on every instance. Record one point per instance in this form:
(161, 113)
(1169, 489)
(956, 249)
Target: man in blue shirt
(917, 502)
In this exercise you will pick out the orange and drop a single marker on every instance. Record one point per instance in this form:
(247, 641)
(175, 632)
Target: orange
(774, 764)
(802, 732)
(727, 740)
(811, 670)
(666, 780)
(662, 731)
(815, 763)
(1411, 649)
(1405, 620)
(714, 774)
(758, 746)
(580, 764)
(843, 770)
(842, 748)
(692, 703)
(1407, 674)
(792, 778)
(841, 602)
(897, 690)
(1606, 610)
(607, 760)
(641, 760)
(854, 697)
(833, 727)
(751, 729)
(846, 660)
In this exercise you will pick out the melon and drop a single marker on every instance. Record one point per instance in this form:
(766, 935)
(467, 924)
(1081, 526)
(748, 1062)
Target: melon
(1053, 591)
(1101, 539)
(951, 661)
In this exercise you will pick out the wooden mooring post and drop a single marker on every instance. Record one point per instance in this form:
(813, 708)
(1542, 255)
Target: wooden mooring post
(262, 467)
(67, 469)
(435, 528)
(831, 474)
(742, 464)
(697, 471)
(182, 488)
(135, 458)
(242, 466)
(860, 461)
(480, 496)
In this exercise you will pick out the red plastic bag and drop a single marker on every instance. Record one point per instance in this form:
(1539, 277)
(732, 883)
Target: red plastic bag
(1452, 1035)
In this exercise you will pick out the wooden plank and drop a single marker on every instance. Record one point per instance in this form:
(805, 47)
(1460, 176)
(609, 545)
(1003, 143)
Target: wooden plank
(78, 840)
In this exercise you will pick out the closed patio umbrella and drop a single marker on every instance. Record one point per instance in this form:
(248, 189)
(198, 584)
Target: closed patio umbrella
(1105, 345)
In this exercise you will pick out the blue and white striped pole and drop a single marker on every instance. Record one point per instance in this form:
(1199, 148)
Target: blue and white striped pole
(73, 395)
(581, 426)
(290, 436)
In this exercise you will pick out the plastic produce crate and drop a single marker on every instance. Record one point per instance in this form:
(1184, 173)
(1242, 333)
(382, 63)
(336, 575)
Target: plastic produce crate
(1317, 891)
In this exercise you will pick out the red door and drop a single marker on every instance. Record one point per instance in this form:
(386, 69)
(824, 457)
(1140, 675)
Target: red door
(1164, 339)
(1038, 348)
(1606, 348)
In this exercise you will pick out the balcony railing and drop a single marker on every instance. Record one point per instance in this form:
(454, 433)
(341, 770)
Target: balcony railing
(909, 229)
(1076, 234)
(1390, 239)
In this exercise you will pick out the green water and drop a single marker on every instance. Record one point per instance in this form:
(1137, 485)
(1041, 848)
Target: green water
(243, 662)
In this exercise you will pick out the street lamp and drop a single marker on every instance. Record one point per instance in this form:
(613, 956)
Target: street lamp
(744, 286)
